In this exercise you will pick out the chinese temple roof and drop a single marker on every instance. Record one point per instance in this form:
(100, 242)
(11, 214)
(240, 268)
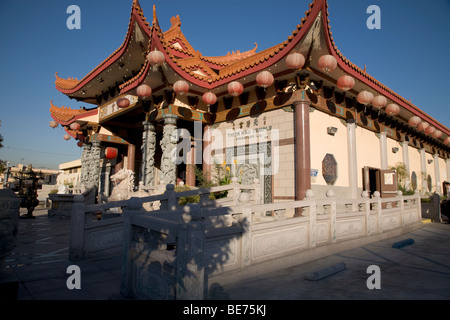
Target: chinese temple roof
(312, 37)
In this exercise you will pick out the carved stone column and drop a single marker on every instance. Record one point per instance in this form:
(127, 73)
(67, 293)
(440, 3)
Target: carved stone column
(94, 170)
(148, 154)
(168, 146)
(85, 164)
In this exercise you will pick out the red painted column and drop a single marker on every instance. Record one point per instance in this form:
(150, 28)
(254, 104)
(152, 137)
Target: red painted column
(302, 149)
(131, 156)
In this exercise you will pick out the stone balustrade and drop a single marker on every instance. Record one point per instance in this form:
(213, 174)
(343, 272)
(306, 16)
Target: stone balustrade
(181, 253)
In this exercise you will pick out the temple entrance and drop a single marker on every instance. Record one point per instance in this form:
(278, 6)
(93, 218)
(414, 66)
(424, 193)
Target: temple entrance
(383, 181)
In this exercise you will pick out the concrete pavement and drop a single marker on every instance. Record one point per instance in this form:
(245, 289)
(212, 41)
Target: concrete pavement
(38, 269)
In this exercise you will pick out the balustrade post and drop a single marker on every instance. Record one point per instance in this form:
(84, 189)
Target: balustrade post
(401, 205)
(246, 225)
(379, 210)
(312, 218)
(190, 277)
(366, 197)
(134, 207)
(77, 222)
(171, 197)
(333, 213)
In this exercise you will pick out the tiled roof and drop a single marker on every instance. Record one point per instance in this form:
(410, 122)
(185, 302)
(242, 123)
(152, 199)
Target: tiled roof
(64, 115)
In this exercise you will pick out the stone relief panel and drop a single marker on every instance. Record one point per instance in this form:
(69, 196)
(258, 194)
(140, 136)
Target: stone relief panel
(329, 169)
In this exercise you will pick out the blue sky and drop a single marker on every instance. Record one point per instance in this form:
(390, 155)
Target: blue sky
(409, 53)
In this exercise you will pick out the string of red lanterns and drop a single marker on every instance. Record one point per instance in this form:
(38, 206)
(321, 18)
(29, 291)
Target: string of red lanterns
(327, 63)
(235, 88)
(156, 57)
(123, 102)
(181, 87)
(209, 98)
(144, 91)
(264, 79)
(346, 82)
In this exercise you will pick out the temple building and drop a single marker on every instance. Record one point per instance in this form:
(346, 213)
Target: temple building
(295, 116)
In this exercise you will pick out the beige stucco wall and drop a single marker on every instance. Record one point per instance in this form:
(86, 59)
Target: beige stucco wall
(367, 145)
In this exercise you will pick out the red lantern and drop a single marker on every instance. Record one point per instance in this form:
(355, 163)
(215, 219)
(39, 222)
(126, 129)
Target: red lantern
(414, 121)
(156, 57)
(264, 79)
(123, 102)
(80, 144)
(327, 63)
(392, 109)
(447, 140)
(209, 98)
(295, 60)
(365, 97)
(75, 126)
(235, 88)
(430, 130)
(437, 134)
(345, 82)
(53, 124)
(66, 137)
(181, 87)
(422, 126)
(144, 91)
(379, 102)
(111, 153)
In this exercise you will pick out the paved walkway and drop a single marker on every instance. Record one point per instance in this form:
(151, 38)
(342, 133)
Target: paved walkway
(418, 271)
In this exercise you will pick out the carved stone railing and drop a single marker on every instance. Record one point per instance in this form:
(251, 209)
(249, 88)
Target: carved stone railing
(228, 244)
(96, 229)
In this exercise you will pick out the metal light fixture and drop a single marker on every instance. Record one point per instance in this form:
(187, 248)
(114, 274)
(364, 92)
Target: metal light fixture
(395, 149)
(331, 131)
(430, 161)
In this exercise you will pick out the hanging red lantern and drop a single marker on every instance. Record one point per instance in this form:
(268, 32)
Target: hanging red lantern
(66, 137)
(430, 130)
(144, 91)
(111, 153)
(414, 121)
(345, 82)
(422, 126)
(75, 126)
(447, 140)
(379, 101)
(392, 109)
(295, 60)
(53, 124)
(264, 79)
(156, 57)
(123, 102)
(437, 134)
(235, 88)
(365, 97)
(80, 144)
(327, 63)
(209, 98)
(181, 87)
